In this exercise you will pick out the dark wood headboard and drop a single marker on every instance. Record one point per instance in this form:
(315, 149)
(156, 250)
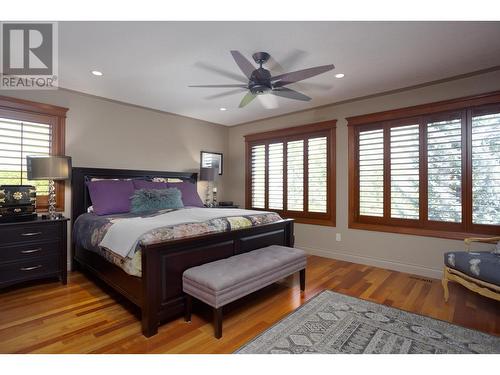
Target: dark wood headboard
(79, 176)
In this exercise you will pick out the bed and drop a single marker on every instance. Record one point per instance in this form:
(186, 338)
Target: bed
(158, 290)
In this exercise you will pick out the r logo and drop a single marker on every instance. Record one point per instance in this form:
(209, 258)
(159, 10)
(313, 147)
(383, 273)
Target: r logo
(27, 49)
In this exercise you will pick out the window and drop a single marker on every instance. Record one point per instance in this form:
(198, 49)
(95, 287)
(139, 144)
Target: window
(28, 128)
(431, 170)
(292, 171)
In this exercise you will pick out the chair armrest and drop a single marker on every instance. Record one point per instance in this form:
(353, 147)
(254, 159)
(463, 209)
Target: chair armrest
(469, 240)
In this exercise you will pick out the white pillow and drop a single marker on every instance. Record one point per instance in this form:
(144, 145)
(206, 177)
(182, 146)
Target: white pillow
(90, 209)
(163, 179)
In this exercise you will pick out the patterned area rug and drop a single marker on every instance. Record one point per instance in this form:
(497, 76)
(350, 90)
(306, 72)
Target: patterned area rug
(335, 323)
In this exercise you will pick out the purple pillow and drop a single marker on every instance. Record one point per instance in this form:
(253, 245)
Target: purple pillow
(110, 196)
(144, 184)
(190, 195)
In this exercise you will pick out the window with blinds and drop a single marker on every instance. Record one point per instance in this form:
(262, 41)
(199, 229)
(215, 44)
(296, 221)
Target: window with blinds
(371, 173)
(19, 139)
(486, 169)
(444, 170)
(405, 172)
(434, 173)
(292, 173)
(259, 176)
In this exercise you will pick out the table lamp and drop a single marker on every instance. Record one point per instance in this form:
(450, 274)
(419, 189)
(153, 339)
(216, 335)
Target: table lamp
(208, 174)
(49, 168)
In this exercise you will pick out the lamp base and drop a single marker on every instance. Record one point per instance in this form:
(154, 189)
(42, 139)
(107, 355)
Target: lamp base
(52, 200)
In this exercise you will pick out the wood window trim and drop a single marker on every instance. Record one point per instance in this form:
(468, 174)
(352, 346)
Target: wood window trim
(25, 110)
(319, 128)
(466, 106)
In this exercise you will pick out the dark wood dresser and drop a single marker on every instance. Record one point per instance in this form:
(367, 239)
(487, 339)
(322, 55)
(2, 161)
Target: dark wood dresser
(32, 250)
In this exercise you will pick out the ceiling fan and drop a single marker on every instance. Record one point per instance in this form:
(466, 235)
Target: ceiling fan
(261, 81)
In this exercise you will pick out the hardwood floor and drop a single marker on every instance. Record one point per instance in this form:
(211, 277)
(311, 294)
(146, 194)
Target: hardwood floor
(82, 317)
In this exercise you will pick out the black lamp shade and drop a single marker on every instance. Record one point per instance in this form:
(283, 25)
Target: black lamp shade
(48, 167)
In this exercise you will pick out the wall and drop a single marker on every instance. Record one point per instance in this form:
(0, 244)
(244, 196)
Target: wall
(106, 134)
(414, 254)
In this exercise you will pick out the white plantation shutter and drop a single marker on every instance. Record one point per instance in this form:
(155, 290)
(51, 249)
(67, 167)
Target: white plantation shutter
(405, 172)
(486, 169)
(444, 168)
(275, 162)
(371, 173)
(317, 154)
(258, 171)
(295, 175)
(19, 139)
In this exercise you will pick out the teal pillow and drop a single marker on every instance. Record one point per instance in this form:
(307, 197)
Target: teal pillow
(147, 200)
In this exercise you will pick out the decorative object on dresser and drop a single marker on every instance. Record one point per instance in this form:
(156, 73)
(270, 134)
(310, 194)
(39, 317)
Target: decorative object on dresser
(208, 175)
(33, 250)
(49, 168)
(17, 203)
(333, 323)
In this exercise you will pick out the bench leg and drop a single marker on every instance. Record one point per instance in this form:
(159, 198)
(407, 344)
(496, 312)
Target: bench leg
(188, 308)
(303, 280)
(217, 322)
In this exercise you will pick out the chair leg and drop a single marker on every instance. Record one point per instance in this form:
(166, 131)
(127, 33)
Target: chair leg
(303, 280)
(188, 308)
(444, 282)
(217, 322)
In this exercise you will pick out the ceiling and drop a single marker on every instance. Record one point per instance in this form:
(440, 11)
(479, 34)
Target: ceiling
(151, 64)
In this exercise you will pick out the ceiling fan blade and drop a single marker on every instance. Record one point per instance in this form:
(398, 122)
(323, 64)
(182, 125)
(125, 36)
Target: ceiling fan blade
(223, 94)
(247, 99)
(288, 61)
(285, 92)
(221, 72)
(245, 66)
(299, 75)
(215, 86)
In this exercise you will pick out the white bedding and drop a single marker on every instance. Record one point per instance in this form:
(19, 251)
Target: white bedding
(123, 236)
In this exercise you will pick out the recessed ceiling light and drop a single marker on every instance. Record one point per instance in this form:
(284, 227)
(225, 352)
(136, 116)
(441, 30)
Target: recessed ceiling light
(339, 75)
(222, 109)
(96, 73)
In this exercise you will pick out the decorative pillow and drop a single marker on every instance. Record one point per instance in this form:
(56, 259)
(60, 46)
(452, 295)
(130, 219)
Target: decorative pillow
(145, 184)
(190, 195)
(147, 200)
(110, 196)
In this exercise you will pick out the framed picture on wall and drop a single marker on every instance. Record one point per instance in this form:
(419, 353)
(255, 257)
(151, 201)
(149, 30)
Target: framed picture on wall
(212, 160)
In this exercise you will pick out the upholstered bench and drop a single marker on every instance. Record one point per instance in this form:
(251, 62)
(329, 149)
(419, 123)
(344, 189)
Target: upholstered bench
(221, 282)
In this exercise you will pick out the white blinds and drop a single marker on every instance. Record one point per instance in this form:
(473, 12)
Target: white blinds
(258, 176)
(486, 169)
(18, 140)
(405, 172)
(317, 155)
(275, 162)
(444, 166)
(371, 173)
(280, 167)
(295, 175)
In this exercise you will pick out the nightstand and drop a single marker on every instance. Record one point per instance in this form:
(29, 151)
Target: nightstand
(32, 250)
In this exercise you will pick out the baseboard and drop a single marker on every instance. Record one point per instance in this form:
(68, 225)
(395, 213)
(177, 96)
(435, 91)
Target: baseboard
(376, 262)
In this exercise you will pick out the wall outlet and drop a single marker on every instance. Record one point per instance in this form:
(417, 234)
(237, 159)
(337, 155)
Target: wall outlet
(338, 237)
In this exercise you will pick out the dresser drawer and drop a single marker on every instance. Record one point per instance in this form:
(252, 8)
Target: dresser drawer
(29, 269)
(18, 253)
(28, 233)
